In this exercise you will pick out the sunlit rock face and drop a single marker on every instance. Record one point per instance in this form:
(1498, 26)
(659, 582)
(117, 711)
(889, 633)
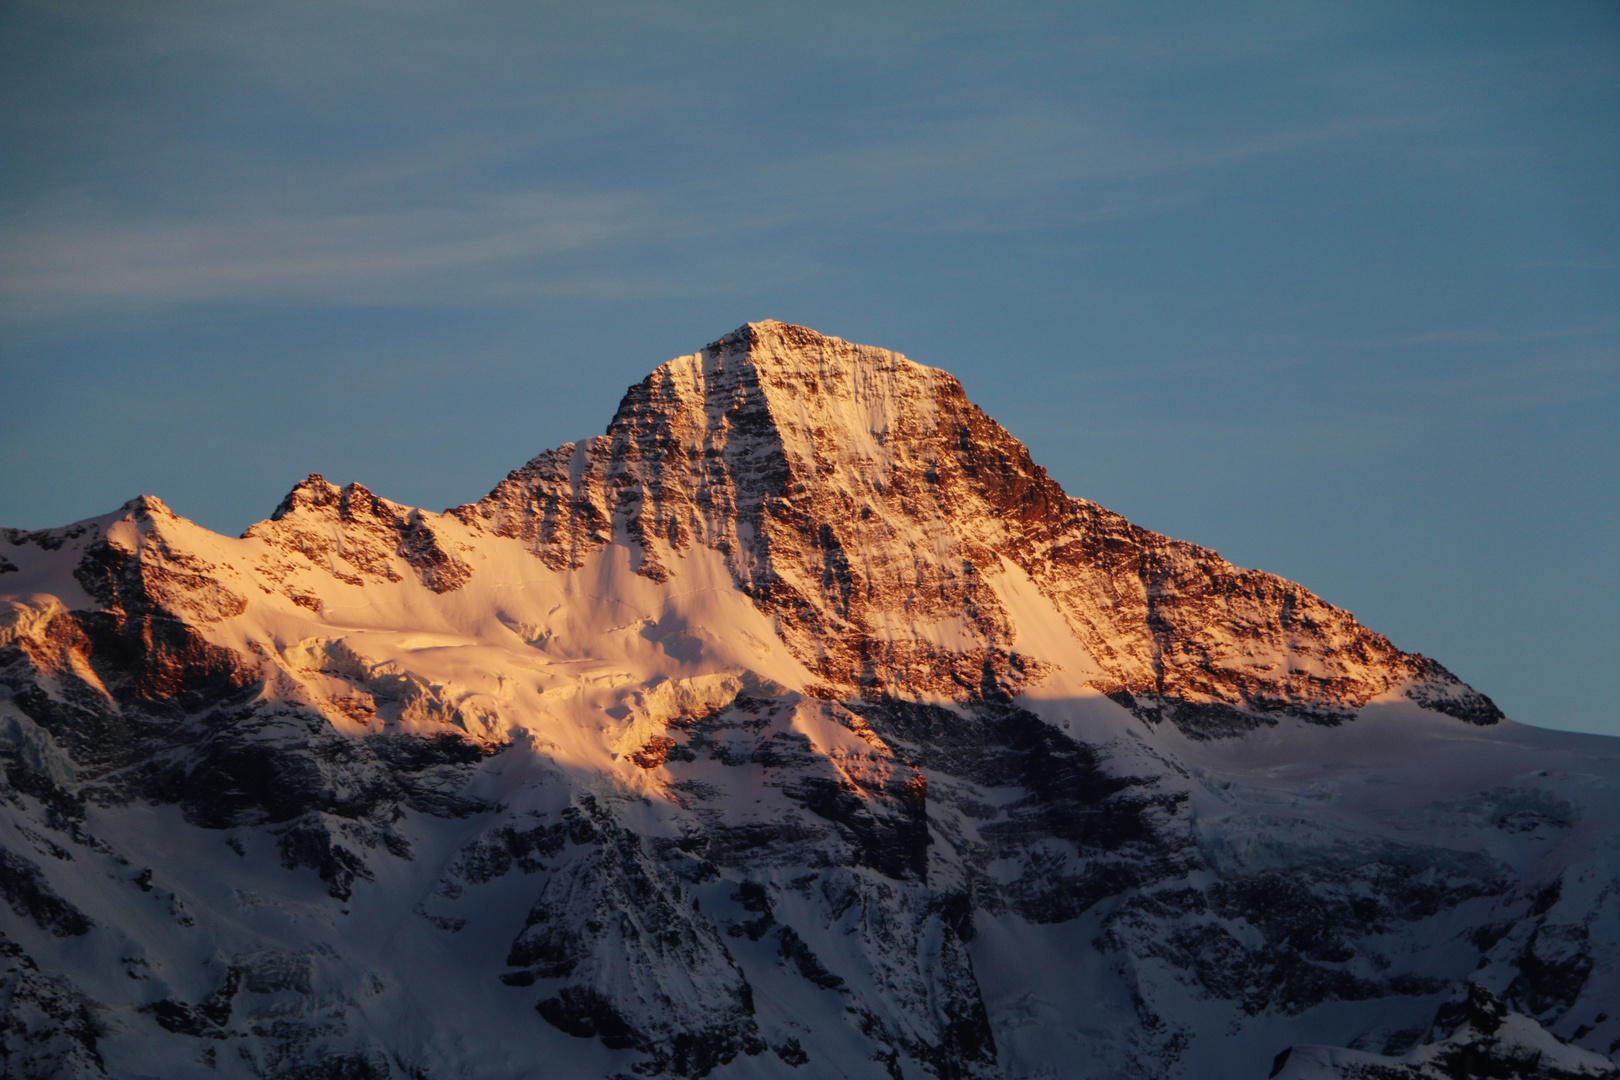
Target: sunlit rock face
(800, 725)
(871, 509)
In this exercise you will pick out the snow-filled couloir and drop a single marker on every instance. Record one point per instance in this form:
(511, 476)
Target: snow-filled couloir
(800, 725)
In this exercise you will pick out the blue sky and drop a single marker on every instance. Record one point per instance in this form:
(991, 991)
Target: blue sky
(1332, 288)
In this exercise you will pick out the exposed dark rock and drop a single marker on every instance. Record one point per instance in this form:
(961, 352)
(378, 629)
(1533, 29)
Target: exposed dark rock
(30, 896)
(793, 949)
(308, 842)
(791, 1052)
(48, 1029)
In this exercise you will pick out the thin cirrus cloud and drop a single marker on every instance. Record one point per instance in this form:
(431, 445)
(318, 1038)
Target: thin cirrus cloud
(466, 160)
(60, 266)
(985, 175)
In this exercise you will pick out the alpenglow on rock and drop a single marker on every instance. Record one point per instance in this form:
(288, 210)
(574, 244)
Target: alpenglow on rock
(798, 726)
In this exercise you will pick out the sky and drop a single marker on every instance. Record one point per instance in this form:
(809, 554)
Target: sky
(1331, 288)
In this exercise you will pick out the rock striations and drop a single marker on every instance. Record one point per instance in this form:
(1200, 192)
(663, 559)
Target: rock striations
(800, 725)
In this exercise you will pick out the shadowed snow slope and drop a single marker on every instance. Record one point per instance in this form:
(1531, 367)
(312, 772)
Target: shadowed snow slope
(799, 725)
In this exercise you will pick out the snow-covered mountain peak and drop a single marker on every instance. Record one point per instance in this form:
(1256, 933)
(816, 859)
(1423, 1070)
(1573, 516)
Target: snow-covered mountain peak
(893, 529)
(798, 725)
(149, 505)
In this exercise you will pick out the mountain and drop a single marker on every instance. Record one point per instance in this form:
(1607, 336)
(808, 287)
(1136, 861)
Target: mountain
(798, 726)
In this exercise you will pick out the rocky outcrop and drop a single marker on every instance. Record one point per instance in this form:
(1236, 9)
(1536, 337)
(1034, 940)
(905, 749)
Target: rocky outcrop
(1476, 1037)
(357, 537)
(632, 962)
(48, 1029)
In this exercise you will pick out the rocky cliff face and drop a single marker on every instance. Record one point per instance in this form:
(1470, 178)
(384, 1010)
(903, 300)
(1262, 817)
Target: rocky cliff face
(799, 725)
(859, 497)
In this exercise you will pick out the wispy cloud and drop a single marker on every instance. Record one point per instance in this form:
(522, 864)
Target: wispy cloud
(1537, 379)
(408, 156)
(435, 238)
(59, 263)
(1490, 336)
